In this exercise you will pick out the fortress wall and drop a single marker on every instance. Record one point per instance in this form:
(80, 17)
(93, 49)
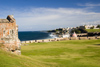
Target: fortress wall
(91, 38)
(98, 37)
(27, 42)
(32, 41)
(82, 34)
(66, 38)
(9, 34)
(74, 38)
(83, 38)
(61, 39)
(52, 39)
(23, 41)
(38, 41)
(46, 40)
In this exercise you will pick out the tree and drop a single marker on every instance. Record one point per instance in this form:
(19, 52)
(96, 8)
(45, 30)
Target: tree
(76, 31)
(92, 27)
(98, 26)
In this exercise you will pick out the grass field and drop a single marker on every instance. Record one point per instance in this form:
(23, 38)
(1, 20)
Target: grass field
(72, 53)
(93, 30)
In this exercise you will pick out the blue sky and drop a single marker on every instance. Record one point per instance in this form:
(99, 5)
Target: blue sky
(34, 15)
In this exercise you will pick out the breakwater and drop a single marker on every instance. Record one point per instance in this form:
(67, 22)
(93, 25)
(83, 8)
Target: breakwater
(60, 39)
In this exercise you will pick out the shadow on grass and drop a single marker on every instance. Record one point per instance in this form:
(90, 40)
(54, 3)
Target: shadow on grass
(97, 44)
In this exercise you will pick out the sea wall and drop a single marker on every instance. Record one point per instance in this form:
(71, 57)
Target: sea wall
(61, 39)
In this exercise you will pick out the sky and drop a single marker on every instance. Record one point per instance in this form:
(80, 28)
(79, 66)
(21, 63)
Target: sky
(37, 15)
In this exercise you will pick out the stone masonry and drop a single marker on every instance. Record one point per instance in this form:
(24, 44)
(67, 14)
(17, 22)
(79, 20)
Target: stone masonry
(9, 35)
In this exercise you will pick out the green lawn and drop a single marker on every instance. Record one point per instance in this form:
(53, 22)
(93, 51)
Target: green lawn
(93, 30)
(71, 53)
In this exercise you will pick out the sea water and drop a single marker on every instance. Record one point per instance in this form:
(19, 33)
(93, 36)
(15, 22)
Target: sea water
(35, 35)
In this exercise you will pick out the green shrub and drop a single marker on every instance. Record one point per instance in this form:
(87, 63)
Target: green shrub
(92, 27)
(98, 26)
(76, 31)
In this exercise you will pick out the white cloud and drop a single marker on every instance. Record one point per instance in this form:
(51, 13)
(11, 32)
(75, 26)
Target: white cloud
(89, 5)
(51, 18)
(94, 22)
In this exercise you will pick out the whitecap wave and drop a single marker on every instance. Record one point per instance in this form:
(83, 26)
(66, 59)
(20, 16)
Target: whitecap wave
(53, 36)
(67, 35)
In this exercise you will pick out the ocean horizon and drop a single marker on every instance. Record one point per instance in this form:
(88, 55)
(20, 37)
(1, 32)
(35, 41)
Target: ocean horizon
(34, 35)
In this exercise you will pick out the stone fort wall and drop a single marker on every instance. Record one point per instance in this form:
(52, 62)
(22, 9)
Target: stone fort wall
(9, 35)
(61, 39)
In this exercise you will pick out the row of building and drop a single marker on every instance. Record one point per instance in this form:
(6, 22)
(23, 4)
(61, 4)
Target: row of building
(89, 27)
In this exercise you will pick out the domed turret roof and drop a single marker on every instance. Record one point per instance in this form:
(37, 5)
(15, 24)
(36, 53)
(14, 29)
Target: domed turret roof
(74, 35)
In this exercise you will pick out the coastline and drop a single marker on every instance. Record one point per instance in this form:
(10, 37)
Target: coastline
(61, 39)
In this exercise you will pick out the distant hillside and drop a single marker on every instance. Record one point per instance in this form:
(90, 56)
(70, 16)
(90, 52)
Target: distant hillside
(79, 30)
(93, 30)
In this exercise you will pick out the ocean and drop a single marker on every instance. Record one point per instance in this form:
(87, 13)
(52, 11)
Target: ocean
(34, 35)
